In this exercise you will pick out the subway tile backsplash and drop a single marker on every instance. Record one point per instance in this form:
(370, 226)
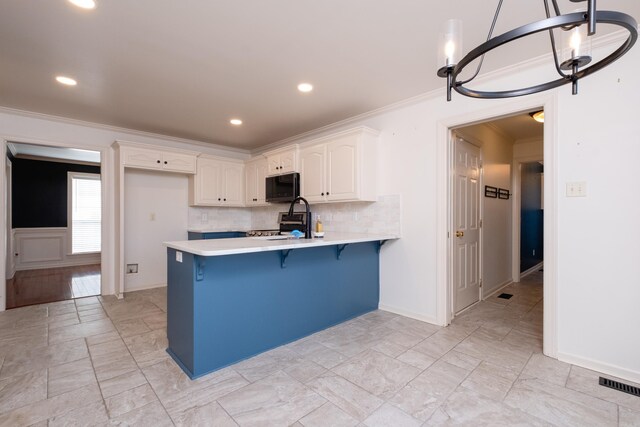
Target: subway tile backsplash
(381, 217)
(219, 219)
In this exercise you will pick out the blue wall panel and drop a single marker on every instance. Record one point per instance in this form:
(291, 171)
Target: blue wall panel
(246, 304)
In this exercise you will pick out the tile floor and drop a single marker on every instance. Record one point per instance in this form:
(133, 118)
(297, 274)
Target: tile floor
(100, 361)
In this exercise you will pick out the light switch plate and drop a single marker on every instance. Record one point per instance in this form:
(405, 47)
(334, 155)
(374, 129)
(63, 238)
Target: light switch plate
(178, 256)
(576, 189)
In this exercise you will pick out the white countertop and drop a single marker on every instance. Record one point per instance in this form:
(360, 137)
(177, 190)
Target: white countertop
(243, 245)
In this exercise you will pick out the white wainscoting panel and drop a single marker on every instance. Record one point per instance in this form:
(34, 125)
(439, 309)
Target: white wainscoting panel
(46, 248)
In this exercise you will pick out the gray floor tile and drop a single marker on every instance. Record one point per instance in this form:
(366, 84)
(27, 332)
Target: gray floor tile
(353, 400)
(273, 401)
(328, 415)
(389, 415)
(377, 373)
(561, 406)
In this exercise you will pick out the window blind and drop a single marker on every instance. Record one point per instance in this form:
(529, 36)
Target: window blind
(86, 214)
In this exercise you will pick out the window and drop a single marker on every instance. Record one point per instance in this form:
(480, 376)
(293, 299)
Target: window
(85, 212)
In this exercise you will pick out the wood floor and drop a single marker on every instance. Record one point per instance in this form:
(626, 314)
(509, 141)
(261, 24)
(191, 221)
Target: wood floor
(30, 287)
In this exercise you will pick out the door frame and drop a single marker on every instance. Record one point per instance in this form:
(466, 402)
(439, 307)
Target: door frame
(106, 254)
(444, 248)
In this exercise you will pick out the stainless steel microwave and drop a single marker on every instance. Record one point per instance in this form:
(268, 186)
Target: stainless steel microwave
(282, 188)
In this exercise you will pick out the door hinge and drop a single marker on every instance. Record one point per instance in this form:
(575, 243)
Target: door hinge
(480, 223)
(480, 283)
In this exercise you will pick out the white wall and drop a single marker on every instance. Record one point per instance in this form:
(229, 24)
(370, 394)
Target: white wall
(40, 129)
(497, 156)
(155, 211)
(598, 141)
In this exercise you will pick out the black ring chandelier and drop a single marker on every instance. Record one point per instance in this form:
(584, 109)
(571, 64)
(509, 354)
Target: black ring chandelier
(576, 28)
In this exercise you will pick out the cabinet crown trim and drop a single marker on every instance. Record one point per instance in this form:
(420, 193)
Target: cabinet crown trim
(221, 159)
(129, 144)
(280, 150)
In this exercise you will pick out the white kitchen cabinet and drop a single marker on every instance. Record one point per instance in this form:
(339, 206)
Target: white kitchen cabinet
(282, 161)
(157, 159)
(255, 178)
(340, 167)
(217, 183)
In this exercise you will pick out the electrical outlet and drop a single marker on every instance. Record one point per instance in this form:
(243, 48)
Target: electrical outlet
(178, 256)
(132, 268)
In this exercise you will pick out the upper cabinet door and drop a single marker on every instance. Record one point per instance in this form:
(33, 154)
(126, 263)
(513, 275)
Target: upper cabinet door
(251, 182)
(342, 169)
(179, 162)
(207, 185)
(283, 162)
(312, 173)
(261, 178)
(141, 158)
(288, 161)
(273, 164)
(232, 183)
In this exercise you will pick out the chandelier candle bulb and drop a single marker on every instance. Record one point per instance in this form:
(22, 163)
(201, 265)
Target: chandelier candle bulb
(451, 42)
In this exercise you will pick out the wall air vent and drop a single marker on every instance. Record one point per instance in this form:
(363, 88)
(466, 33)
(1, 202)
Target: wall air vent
(626, 388)
(505, 296)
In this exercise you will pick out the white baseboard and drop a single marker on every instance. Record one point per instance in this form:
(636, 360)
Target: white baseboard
(605, 368)
(144, 287)
(407, 313)
(498, 289)
(531, 270)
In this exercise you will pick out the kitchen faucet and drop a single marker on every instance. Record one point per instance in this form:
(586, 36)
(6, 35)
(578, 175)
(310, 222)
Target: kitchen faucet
(307, 226)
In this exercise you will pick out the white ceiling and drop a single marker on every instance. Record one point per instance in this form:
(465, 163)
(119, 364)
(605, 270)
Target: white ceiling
(184, 68)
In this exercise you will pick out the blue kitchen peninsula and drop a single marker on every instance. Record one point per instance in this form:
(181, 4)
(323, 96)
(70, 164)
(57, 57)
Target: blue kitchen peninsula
(230, 299)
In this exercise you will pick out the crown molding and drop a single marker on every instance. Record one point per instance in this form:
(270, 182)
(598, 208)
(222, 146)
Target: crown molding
(93, 125)
(607, 40)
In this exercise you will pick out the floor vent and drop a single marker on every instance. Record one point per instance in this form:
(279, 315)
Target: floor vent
(626, 388)
(505, 296)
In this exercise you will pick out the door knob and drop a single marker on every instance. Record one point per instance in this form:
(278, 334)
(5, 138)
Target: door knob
(459, 233)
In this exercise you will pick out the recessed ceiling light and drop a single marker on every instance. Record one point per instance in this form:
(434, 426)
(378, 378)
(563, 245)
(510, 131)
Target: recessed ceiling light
(235, 122)
(305, 87)
(84, 4)
(66, 80)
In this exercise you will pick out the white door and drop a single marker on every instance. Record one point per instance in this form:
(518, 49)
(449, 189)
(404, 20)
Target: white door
(466, 232)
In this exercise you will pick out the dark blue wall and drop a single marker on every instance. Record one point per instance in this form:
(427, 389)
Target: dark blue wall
(531, 218)
(39, 192)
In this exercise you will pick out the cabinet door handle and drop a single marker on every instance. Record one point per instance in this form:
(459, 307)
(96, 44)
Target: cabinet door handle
(158, 161)
(219, 199)
(165, 162)
(225, 200)
(322, 194)
(327, 193)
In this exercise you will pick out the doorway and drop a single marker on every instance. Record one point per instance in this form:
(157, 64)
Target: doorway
(485, 202)
(54, 224)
